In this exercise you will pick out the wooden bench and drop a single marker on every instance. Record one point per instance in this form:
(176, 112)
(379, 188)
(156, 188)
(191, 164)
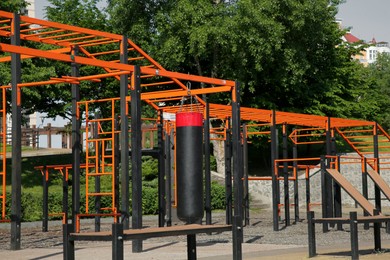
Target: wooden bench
(118, 235)
(353, 221)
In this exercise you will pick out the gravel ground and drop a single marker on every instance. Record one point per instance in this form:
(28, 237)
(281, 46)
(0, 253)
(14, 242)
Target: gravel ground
(260, 231)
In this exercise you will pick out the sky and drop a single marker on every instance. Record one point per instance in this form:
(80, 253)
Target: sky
(366, 18)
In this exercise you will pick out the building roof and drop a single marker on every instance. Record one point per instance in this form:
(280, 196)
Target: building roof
(349, 37)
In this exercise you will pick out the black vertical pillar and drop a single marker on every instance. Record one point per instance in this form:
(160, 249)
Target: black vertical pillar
(228, 175)
(365, 187)
(285, 178)
(65, 194)
(337, 198)
(76, 145)
(328, 180)
(275, 181)
(207, 171)
(237, 174)
(246, 174)
(378, 203)
(16, 209)
(168, 176)
(296, 192)
(161, 175)
(117, 158)
(136, 155)
(324, 193)
(45, 202)
(98, 152)
(124, 143)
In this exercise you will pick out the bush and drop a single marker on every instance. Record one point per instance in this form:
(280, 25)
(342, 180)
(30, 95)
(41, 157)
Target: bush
(217, 196)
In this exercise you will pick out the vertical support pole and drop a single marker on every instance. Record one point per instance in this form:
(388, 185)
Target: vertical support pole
(228, 175)
(124, 143)
(16, 208)
(324, 194)
(311, 234)
(378, 202)
(285, 178)
(328, 180)
(117, 241)
(354, 235)
(296, 191)
(161, 175)
(65, 194)
(117, 158)
(246, 174)
(207, 171)
(308, 200)
(168, 176)
(237, 179)
(337, 198)
(365, 187)
(98, 151)
(68, 245)
(275, 181)
(76, 143)
(377, 233)
(191, 247)
(136, 155)
(45, 202)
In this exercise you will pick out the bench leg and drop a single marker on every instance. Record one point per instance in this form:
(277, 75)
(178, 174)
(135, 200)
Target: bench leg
(191, 247)
(312, 234)
(117, 241)
(67, 244)
(354, 235)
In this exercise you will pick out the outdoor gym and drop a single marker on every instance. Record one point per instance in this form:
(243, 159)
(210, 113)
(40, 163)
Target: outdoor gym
(114, 135)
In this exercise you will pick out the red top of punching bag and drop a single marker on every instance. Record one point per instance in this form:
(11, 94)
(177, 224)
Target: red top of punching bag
(189, 119)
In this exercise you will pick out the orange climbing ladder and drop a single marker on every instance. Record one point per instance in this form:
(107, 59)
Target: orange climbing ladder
(100, 155)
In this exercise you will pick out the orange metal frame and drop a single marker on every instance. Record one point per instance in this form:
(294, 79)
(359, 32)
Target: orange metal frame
(56, 42)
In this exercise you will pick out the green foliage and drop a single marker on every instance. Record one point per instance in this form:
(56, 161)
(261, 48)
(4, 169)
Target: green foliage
(13, 5)
(218, 196)
(149, 168)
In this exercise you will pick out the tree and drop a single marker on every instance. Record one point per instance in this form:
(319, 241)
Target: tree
(13, 6)
(378, 94)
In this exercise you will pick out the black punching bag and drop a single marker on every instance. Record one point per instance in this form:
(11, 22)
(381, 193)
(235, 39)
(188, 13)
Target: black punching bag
(189, 174)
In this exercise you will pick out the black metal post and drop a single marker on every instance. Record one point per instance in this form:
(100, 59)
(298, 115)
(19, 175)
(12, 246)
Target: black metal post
(191, 247)
(296, 186)
(65, 195)
(378, 203)
(124, 143)
(275, 181)
(68, 245)
(76, 144)
(354, 235)
(311, 234)
(237, 173)
(337, 198)
(161, 175)
(228, 175)
(45, 202)
(246, 174)
(16, 207)
(168, 176)
(285, 179)
(328, 179)
(377, 233)
(136, 155)
(207, 171)
(365, 187)
(117, 241)
(117, 158)
(324, 193)
(99, 152)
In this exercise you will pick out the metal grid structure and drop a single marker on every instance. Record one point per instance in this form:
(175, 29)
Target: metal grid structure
(125, 61)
